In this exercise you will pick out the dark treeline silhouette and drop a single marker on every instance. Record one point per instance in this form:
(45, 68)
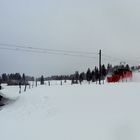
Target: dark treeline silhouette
(60, 77)
(135, 68)
(121, 68)
(15, 79)
(91, 75)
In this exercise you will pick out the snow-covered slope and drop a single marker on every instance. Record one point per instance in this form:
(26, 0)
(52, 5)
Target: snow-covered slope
(73, 112)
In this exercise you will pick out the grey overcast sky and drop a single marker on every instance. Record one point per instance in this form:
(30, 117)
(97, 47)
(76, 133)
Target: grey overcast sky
(75, 25)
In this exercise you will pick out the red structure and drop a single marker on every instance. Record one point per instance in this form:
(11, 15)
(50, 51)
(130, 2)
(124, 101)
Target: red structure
(119, 74)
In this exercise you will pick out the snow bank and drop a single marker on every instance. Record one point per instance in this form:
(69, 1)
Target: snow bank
(73, 112)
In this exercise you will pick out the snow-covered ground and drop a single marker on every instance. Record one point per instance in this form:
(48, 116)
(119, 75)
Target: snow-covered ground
(73, 112)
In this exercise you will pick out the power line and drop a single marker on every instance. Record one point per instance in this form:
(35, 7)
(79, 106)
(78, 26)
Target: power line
(108, 57)
(112, 58)
(46, 52)
(49, 50)
(92, 55)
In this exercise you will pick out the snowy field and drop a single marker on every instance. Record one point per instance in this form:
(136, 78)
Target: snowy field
(73, 112)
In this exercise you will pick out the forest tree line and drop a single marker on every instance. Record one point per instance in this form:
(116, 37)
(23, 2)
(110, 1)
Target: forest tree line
(90, 75)
(15, 78)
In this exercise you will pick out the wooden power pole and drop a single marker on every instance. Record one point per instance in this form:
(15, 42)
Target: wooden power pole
(100, 67)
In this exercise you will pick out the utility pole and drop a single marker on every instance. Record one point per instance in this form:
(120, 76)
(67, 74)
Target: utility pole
(99, 67)
(36, 82)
